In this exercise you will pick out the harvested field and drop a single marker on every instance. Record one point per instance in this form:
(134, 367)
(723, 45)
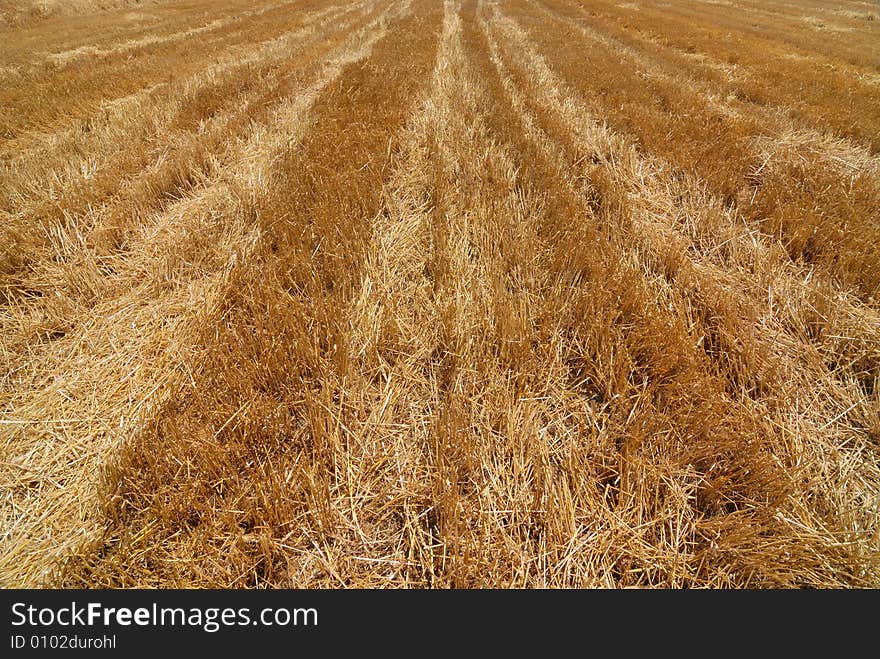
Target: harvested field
(410, 293)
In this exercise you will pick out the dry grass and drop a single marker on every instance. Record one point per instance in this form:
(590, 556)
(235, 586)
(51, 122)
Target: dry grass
(541, 293)
(25, 13)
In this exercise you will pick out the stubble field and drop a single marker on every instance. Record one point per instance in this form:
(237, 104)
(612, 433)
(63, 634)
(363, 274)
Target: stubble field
(474, 293)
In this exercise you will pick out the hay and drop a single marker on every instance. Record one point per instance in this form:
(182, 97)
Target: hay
(389, 294)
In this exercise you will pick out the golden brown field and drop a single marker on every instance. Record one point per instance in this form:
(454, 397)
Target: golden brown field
(474, 293)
